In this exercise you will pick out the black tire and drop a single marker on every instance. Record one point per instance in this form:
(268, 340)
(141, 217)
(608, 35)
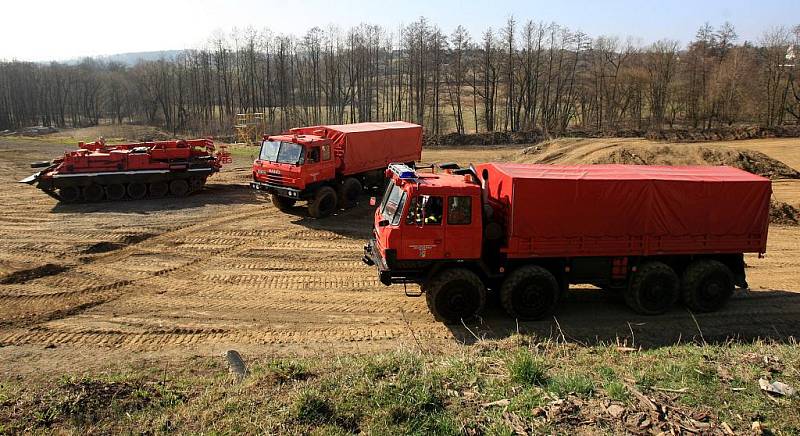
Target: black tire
(179, 187)
(707, 285)
(93, 193)
(137, 190)
(455, 294)
(69, 194)
(324, 202)
(115, 192)
(654, 289)
(282, 203)
(348, 192)
(159, 189)
(530, 293)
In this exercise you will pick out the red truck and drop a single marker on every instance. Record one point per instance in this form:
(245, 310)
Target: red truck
(329, 166)
(653, 234)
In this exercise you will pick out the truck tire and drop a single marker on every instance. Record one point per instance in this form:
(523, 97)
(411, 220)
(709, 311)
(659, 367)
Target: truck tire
(455, 294)
(653, 290)
(706, 286)
(93, 193)
(530, 293)
(324, 202)
(69, 194)
(282, 203)
(348, 192)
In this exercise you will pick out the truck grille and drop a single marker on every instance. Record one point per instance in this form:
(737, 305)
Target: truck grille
(277, 179)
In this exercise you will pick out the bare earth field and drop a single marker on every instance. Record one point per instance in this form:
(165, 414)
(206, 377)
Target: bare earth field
(101, 285)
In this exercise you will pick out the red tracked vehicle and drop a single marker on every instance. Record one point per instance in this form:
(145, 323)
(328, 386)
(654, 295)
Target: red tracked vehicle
(97, 171)
(652, 234)
(329, 166)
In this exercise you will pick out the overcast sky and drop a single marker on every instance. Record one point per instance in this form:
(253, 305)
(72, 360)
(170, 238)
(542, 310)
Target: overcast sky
(61, 29)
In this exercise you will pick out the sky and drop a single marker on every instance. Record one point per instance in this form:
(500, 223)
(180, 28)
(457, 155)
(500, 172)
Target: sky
(45, 30)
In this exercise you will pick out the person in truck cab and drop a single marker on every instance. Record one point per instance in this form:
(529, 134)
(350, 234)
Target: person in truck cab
(313, 155)
(425, 209)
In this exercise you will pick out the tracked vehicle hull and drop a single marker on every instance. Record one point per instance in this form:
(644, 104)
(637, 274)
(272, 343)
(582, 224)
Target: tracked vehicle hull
(97, 172)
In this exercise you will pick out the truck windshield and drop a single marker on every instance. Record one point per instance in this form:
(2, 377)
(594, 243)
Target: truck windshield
(281, 152)
(393, 201)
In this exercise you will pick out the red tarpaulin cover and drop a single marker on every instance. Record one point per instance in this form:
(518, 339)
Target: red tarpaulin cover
(607, 210)
(368, 146)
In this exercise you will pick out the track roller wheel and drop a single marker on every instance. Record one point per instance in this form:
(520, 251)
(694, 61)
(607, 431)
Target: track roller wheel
(179, 187)
(93, 193)
(455, 294)
(653, 289)
(196, 183)
(137, 190)
(282, 203)
(115, 192)
(69, 194)
(707, 285)
(348, 192)
(159, 189)
(324, 202)
(530, 293)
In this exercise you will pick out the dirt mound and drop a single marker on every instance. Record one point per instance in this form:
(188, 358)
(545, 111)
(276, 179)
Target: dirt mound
(783, 213)
(723, 134)
(751, 161)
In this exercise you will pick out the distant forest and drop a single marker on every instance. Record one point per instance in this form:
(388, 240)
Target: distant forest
(520, 77)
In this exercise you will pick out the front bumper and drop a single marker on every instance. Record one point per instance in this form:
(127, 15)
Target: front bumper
(283, 191)
(372, 257)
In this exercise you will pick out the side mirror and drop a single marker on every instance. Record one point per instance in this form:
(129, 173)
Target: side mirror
(372, 201)
(383, 223)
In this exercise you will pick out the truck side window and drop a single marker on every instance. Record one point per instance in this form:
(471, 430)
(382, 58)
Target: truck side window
(313, 155)
(326, 152)
(459, 210)
(426, 210)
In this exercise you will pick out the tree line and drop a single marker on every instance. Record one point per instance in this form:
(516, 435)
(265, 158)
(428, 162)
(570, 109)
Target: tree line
(522, 76)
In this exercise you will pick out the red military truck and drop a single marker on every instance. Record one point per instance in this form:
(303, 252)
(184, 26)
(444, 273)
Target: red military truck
(329, 166)
(651, 233)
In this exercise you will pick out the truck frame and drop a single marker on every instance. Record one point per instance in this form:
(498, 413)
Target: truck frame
(653, 235)
(329, 166)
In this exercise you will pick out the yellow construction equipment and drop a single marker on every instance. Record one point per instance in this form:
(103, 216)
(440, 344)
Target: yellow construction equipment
(249, 127)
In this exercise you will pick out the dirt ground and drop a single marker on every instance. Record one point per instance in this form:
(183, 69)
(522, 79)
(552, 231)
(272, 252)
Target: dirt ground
(84, 287)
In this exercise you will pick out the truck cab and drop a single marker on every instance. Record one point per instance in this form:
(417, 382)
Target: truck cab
(289, 164)
(424, 220)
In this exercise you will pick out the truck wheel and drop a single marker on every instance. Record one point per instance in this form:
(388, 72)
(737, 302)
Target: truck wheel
(707, 285)
(324, 203)
(179, 187)
(93, 193)
(197, 183)
(69, 194)
(282, 203)
(348, 192)
(137, 190)
(455, 294)
(159, 189)
(530, 293)
(653, 290)
(115, 192)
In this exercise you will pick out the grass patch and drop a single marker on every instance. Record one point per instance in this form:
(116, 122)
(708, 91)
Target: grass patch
(490, 389)
(527, 370)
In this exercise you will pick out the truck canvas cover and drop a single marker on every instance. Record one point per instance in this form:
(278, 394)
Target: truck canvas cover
(624, 210)
(368, 146)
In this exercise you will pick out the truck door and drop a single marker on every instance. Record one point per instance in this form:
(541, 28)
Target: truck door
(463, 228)
(423, 233)
(319, 165)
